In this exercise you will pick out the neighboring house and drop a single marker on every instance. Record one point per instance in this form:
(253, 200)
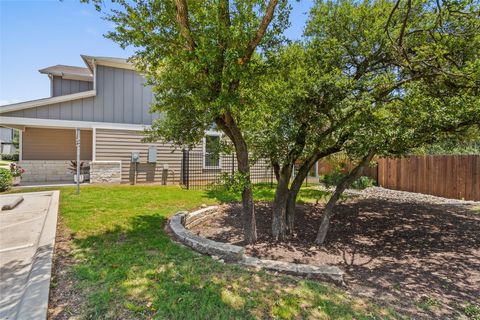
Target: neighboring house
(109, 103)
(6, 141)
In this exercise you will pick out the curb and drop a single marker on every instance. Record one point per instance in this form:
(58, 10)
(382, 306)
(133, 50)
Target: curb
(37, 288)
(182, 220)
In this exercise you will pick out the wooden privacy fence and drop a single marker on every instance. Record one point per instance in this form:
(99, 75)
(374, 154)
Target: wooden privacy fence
(449, 176)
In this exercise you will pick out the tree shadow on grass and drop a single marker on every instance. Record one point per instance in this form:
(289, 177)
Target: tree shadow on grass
(138, 272)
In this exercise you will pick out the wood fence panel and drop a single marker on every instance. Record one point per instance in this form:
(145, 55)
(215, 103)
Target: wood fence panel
(445, 176)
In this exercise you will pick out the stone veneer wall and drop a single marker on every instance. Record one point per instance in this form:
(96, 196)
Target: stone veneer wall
(46, 170)
(105, 172)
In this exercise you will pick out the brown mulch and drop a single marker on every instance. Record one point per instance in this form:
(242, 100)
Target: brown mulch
(420, 259)
(65, 299)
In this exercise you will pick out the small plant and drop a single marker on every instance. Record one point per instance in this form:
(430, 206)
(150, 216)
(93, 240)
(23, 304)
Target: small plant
(472, 311)
(233, 183)
(73, 167)
(10, 157)
(333, 178)
(428, 303)
(363, 182)
(5, 179)
(16, 170)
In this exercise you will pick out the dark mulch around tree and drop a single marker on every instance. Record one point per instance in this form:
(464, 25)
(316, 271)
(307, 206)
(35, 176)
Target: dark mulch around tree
(421, 259)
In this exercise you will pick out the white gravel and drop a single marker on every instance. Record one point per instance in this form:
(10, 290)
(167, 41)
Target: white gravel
(404, 196)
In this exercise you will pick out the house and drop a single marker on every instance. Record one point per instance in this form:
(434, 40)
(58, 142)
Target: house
(109, 102)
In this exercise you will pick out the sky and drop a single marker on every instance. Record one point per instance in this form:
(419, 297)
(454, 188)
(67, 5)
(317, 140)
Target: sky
(35, 34)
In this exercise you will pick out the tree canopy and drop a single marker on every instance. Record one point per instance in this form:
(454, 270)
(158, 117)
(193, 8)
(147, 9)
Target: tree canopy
(367, 78)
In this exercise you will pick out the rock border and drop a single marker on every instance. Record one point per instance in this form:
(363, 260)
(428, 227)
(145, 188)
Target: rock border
(179, 223)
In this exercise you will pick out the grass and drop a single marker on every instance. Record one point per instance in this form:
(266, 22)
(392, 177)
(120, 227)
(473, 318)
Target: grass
(127, 267)
(476, 209)
(265, 192)
(5, 163)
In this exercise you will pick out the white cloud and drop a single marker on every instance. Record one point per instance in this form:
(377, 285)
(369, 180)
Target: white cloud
(8, 101)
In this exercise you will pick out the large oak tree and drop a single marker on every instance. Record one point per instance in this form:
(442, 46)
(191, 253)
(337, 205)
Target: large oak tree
(370, 78)
(196, 55)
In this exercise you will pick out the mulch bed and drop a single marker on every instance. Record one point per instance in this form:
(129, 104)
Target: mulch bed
(421, 259)
(65, 299)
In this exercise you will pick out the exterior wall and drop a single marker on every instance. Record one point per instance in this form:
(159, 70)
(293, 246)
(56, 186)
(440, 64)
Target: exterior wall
(61, 87)
(46, 170)
(105, 172)
(55, 144)
(117, 145)
(121, 97)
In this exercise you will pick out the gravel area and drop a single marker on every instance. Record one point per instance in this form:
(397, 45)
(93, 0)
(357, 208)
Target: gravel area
(403, 196)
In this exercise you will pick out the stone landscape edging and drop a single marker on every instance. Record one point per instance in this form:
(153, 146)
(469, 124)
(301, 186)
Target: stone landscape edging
(182, 220)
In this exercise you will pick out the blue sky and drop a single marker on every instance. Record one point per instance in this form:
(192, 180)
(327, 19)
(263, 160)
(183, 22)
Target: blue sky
(40, 33)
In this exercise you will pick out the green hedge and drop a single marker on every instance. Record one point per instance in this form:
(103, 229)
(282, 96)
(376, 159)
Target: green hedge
(10, 157)
(5, 179)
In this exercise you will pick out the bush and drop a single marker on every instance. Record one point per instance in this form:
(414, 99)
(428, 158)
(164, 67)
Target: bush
(5, 179)
(333, 178)
(363, 182)
(10, 157)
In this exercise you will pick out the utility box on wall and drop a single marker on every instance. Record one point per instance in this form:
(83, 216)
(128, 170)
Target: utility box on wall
(152, 154)
(135, 157)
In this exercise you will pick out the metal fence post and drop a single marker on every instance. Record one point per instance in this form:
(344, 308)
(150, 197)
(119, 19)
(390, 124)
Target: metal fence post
(233, 165)
(185, 169)
(271, 177)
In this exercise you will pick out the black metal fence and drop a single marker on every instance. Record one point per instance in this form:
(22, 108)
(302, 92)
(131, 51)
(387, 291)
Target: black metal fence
(201, 170)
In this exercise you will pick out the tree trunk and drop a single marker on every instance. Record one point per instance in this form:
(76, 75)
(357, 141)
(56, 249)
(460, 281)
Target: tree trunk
(292, 195)
(343, 184)
(229, 126)
(249, 223)
(279, 224)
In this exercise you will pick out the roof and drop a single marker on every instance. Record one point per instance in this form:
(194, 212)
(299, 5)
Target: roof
(91, 61)
(72, 73)
(68, 72)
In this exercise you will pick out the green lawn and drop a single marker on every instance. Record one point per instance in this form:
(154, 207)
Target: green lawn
(127, 267)
(5, 163)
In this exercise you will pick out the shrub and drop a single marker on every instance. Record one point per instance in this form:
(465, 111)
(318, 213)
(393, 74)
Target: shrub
(363, 182)
(5, 179)
(10, 157)
(333, 178)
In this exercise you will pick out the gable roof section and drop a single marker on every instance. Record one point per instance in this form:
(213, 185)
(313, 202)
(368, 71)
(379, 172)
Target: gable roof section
(68, 72)
(121, 63)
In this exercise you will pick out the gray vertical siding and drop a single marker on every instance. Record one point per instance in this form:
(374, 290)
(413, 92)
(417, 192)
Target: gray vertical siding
(121, 97)
(65, 86)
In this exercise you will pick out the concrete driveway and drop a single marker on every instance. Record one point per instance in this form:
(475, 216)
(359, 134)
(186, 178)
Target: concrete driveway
(27, 238)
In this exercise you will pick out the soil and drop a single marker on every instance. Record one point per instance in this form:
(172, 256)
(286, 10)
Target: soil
(65, 299)
(421, 259)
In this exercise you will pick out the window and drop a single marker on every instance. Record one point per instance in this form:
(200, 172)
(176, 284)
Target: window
(211, 151)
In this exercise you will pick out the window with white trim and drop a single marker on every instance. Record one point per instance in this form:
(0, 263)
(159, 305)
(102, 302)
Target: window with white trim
(211, 151)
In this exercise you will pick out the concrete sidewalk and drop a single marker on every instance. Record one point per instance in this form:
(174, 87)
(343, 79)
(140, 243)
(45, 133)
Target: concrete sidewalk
(27, 238)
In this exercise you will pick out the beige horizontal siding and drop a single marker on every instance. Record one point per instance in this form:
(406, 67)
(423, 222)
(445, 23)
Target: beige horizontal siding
(55, 144)
(119, 145)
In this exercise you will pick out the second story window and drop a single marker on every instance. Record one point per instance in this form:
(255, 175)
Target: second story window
(211, 151)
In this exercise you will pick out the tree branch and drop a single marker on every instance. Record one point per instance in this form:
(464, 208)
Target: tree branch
(252, 45)
(182, 19)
